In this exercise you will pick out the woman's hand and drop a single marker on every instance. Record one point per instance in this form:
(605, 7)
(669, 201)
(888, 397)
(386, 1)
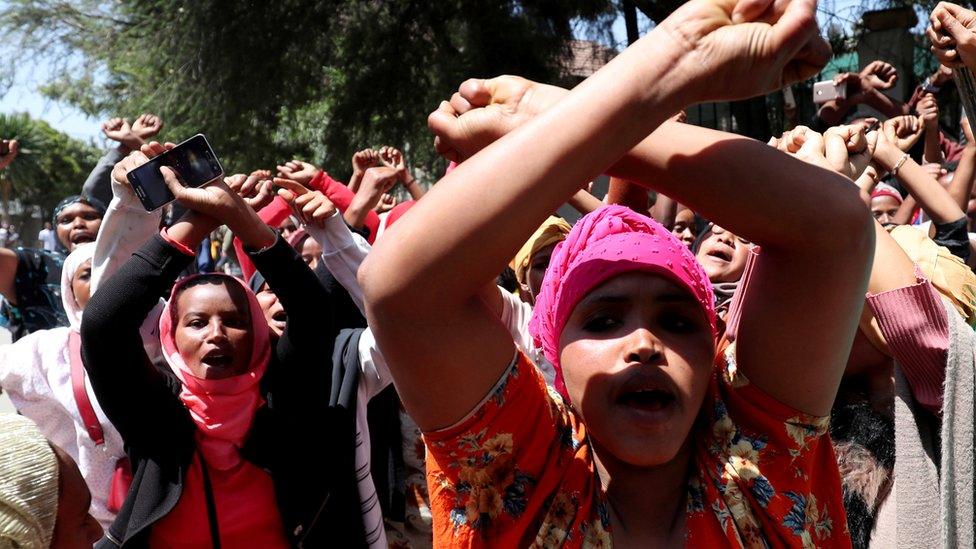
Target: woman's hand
(297, 170)
(953, 35)
(903, 131)
(753, 47)
(310, 207)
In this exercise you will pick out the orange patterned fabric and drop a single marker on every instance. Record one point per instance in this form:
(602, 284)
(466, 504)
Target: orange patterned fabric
(518, 472)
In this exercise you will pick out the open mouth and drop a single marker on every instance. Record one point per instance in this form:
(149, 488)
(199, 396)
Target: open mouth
(82, 238)
(720, 254)
(218, 359)
(650, 400)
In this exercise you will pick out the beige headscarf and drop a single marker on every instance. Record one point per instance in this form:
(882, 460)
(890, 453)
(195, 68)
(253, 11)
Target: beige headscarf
(553, 230)
(949, 274)
(28, 485)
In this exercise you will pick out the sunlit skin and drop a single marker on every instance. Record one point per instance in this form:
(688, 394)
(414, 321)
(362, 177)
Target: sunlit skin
(637, 355)
(74, 527)
(274, 311)
(213, 330)
(684, 227)
(884, 208)
(81, 284)
(77, 224)
(723, 255)
(311, 251)
(538, 264)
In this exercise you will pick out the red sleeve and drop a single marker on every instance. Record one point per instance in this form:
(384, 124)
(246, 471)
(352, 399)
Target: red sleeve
(950, 149)
(341, 196)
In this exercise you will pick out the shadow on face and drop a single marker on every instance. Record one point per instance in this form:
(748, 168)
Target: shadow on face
(637, 355)
(723, 255)
(81, 284)
(538, 264)
(74, 527)
(884, 208)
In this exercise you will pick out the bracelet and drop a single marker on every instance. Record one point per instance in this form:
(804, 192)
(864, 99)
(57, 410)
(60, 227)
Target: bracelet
(904, 158)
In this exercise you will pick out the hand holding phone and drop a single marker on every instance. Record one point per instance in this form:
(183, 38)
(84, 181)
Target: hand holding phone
(829, 90)
(192, 161)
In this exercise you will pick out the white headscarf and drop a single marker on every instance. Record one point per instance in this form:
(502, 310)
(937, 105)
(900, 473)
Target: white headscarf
(76, 259)
(28, 485)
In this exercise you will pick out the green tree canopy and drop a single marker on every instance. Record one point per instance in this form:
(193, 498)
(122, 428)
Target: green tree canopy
(267, 80)
(50, 165)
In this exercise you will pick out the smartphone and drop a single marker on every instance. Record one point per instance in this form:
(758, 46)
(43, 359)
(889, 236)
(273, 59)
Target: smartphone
(194, 161)
(828, 91)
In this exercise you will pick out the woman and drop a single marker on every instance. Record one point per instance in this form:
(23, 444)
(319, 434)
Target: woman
(214, 462)
(724, 256)
(657, 443)
(29, 278)
(43, 375)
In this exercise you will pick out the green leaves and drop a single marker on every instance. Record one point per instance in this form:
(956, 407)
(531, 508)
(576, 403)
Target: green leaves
(50, 164)
(267, 81)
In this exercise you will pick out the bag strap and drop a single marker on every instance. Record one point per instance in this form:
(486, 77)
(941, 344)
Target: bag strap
(211, 505)
(88, 415)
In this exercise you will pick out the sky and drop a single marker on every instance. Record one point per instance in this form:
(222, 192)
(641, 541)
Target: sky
(23, 94)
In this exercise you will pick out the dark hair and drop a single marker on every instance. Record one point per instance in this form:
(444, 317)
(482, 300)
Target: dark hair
(208, 278)
(507, 280)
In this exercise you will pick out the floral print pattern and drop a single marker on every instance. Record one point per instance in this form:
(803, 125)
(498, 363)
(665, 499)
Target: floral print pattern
(519, 472)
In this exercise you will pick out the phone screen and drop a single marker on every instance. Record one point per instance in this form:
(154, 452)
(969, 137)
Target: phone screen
(193, 160)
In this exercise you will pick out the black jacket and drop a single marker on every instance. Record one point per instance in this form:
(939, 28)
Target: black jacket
(303, 441)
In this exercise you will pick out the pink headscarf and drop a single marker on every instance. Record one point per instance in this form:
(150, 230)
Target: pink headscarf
(223, 409)
(608, 242)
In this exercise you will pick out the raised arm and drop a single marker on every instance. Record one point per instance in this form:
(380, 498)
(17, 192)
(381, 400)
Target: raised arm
(129, 138)
(432, 344)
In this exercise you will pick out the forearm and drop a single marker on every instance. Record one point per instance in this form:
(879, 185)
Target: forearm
(554, 155)
(355, 180)
(906, 211)
(934, 199)
(933, 146)
(131, 391)
(413, 187)
(99, 182)
(125, 227)
(866, 184)
(833, 112)
(665, 211)
(358, 210)
(584, 202)
(884, 104)
(694, 165)
(961, 186)
(627, 194)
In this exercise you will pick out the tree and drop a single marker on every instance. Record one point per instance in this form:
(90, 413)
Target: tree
(266, 81)
(50, 165)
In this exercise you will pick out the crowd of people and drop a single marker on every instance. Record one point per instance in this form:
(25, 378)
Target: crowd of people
(777, 350)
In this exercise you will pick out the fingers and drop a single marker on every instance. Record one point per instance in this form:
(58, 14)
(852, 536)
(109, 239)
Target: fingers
(475, 93)
(172, 181)
(291, 185)
(443, 123)
(796, 30)
(460, 104)
(749, 10)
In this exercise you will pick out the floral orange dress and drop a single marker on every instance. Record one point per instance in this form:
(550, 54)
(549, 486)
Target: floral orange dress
(518, 472)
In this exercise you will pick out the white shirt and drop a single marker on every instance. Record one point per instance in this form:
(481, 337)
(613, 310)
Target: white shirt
(49, 239)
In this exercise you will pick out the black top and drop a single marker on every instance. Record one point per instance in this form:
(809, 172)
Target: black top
(37, 284)
(306, 444)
